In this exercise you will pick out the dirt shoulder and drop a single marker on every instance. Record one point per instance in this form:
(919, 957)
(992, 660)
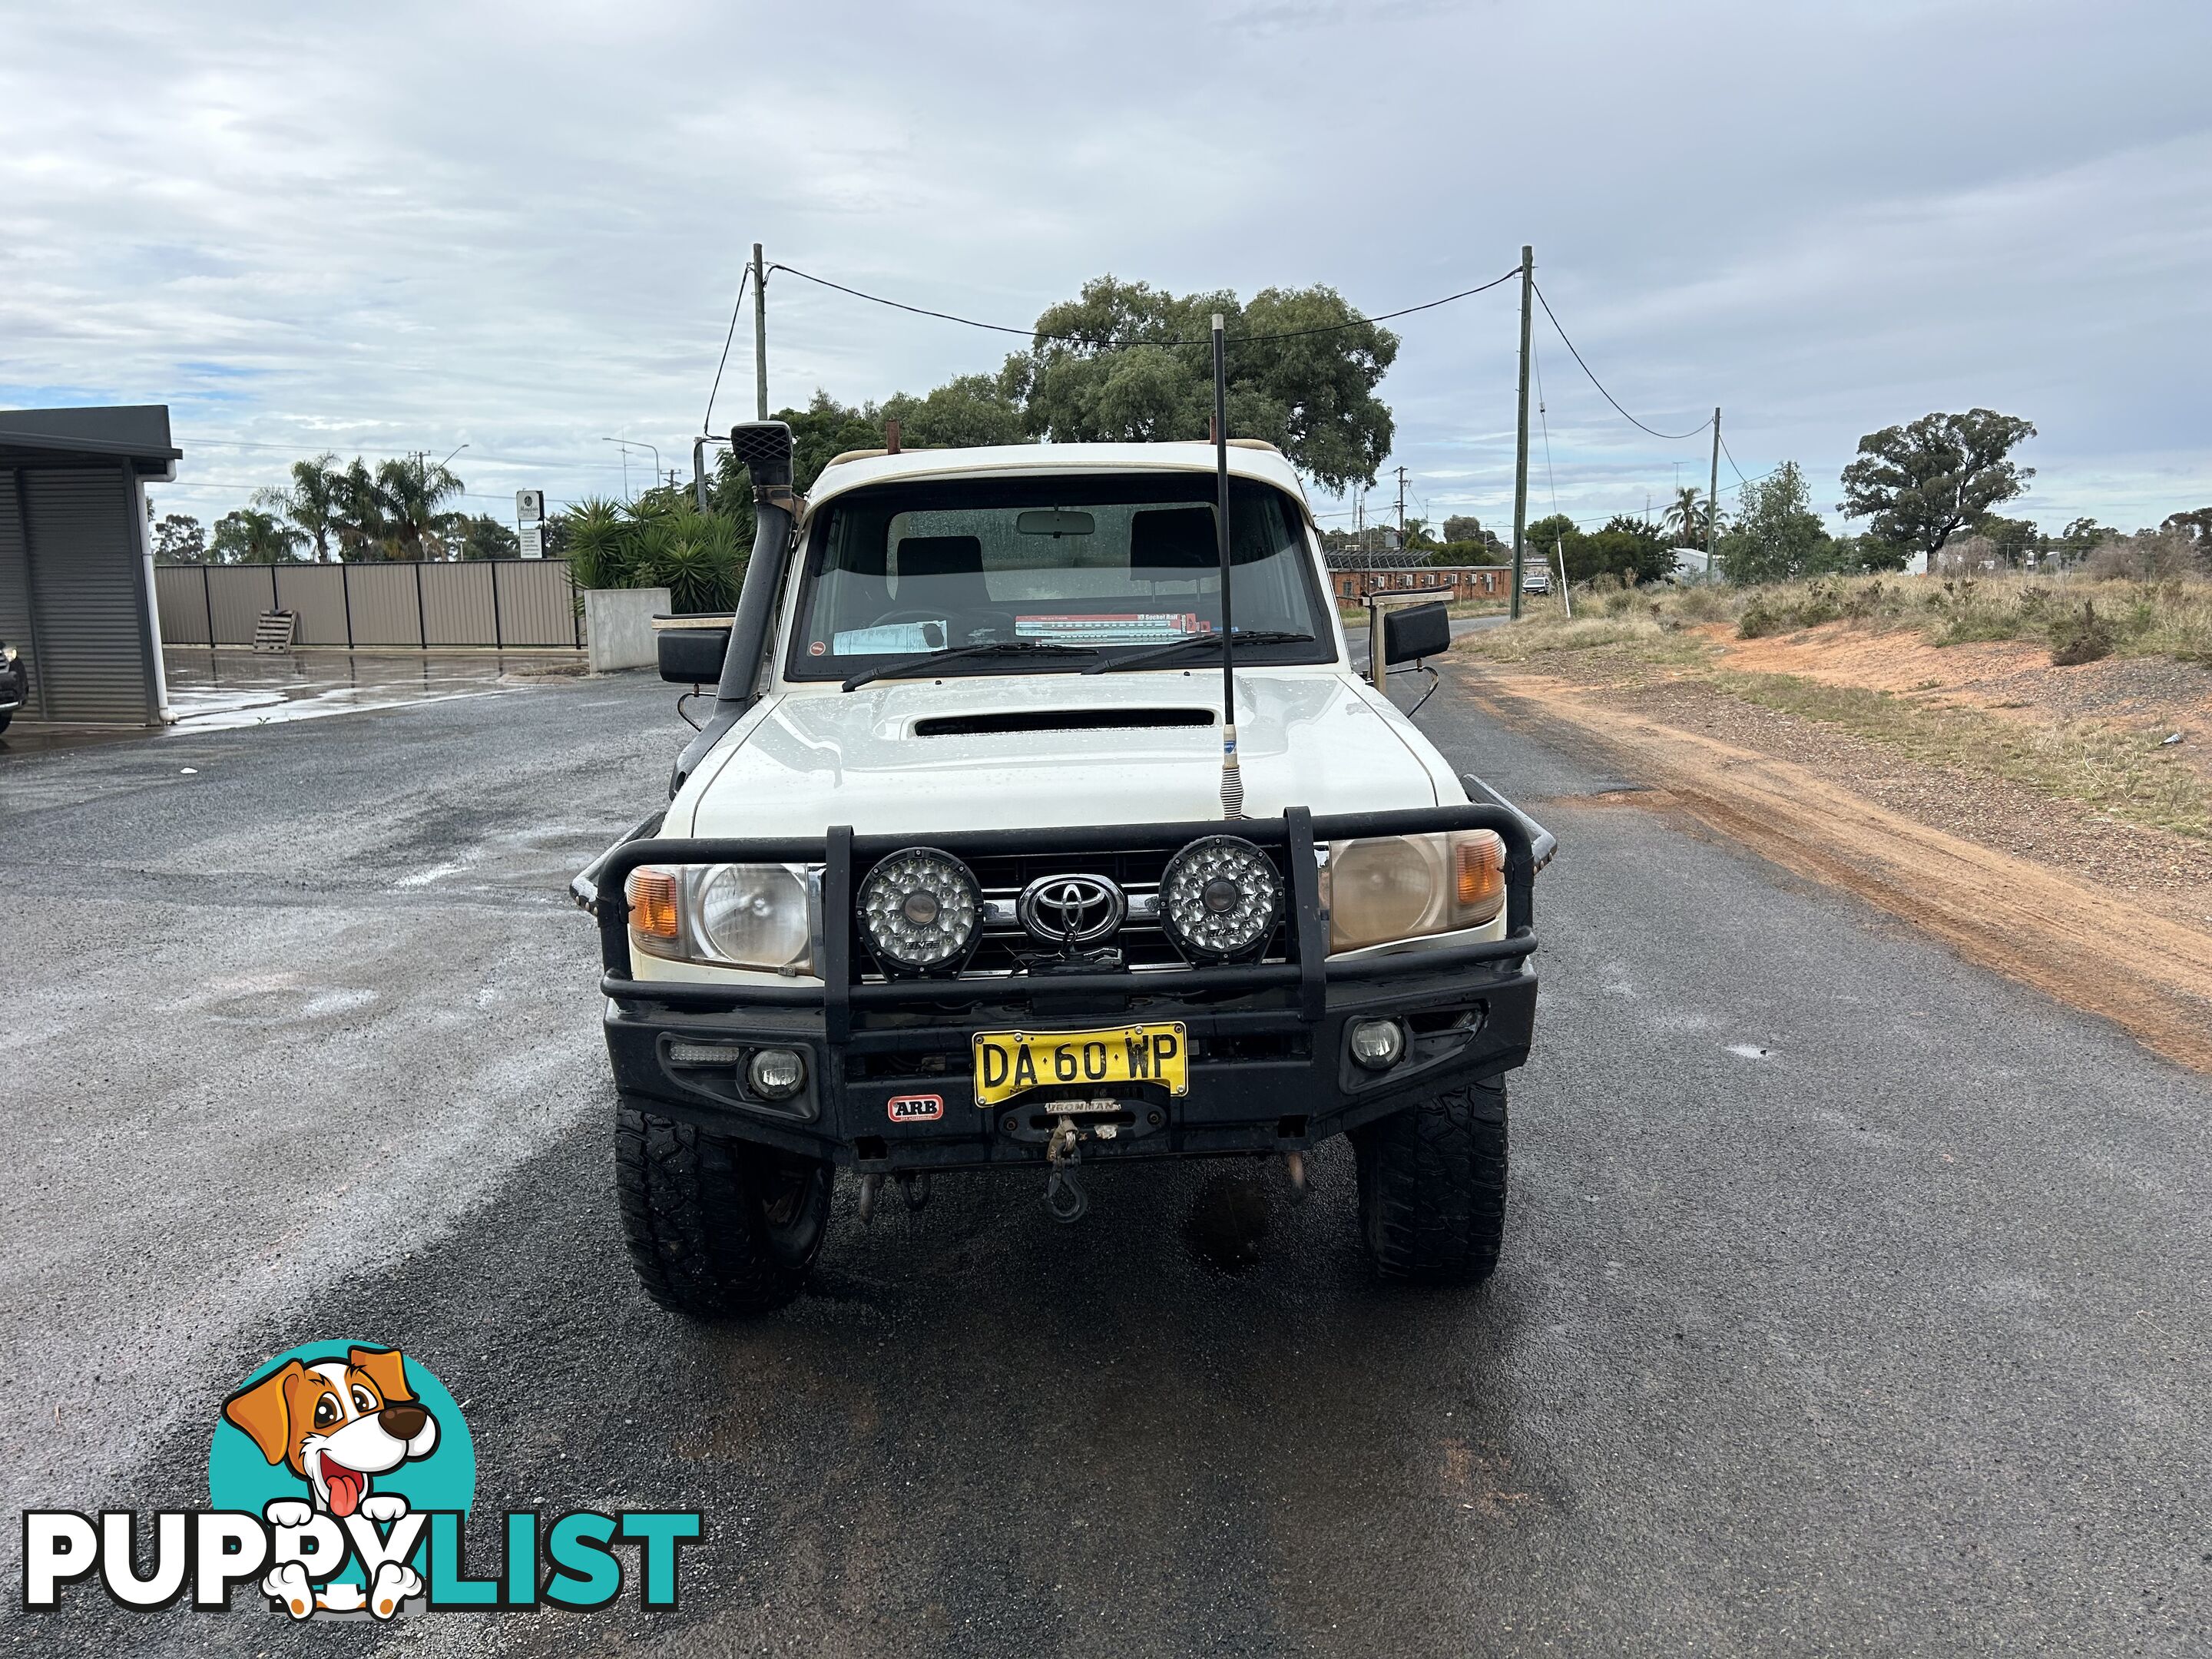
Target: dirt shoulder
(2008, 678)
(2110, 916)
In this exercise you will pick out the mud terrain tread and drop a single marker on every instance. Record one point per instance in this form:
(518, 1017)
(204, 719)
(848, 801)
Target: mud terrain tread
(691, 1216)
(1432, 1186)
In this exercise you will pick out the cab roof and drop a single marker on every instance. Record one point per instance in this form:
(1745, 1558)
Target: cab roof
(1248, 459)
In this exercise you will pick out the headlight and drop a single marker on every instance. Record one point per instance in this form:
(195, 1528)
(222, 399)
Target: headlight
(753, 914)
(1400, 887)
(732, 916)
(1219, 898)
(919, 910)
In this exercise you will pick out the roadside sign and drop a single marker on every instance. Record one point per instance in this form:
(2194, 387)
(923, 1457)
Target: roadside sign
(532, 536)
(530, 506)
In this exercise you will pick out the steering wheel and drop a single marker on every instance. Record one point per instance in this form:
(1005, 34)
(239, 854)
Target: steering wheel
(961, 627)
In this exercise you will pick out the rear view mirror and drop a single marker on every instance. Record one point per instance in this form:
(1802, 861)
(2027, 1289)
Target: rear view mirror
(1419, 630)
(693, 656)
(1052, 521)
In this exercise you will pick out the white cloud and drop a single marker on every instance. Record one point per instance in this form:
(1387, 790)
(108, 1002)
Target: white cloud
(409, 226)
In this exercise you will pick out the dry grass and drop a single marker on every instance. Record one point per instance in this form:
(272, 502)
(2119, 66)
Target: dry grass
(2110, 768)
(2171, 617)
(2126, 774)
(1537, 633)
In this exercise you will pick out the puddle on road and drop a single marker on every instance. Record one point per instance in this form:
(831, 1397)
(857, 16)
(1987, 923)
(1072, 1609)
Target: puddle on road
(1229, 1216)
(223, 691)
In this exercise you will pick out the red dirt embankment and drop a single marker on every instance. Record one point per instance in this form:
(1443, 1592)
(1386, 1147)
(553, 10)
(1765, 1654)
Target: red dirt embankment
(2087, 942)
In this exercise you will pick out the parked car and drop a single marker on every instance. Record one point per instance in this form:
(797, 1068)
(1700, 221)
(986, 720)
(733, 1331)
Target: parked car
(15, 683)
(1535, 579)
(956, 878)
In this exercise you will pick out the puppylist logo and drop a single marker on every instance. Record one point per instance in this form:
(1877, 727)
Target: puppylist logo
(340, 1480)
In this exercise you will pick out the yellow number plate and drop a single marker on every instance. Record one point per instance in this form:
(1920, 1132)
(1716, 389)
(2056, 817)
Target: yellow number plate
(1009, 1063)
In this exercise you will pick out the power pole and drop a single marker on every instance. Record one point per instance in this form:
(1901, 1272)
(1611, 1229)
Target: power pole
(1401, 510)
(1521, 448)
(1713, 501)
(760, 336)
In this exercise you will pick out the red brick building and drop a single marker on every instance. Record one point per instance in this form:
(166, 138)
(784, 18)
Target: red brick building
(1448, 582)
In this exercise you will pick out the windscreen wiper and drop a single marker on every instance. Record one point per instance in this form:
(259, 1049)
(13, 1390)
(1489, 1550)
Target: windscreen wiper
(1256, 636)
(884, 671)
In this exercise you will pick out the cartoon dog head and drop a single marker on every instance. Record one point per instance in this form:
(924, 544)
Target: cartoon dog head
(337, 1424)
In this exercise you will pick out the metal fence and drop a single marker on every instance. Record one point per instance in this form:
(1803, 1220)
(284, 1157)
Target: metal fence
(506, 604)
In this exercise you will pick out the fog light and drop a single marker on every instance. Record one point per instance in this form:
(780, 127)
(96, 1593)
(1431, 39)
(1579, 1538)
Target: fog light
(704, 1054)
(1378, 1044)
(777, 1073)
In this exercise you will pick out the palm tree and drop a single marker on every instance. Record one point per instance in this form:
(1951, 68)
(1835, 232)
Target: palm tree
(314, 501)
(252, 537)
(413, 497)
(1688, 517)
(362, 528)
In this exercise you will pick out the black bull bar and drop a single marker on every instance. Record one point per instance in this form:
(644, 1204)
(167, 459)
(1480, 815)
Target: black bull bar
(844, 993)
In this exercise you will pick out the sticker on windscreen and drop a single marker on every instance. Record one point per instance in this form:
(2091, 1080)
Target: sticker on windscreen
(1115, 628)
(892, 637)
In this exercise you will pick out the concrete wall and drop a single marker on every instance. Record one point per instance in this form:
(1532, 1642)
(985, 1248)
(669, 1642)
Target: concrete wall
(618, 626)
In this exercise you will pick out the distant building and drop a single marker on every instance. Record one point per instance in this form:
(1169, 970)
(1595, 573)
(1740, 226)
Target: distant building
(1691, 565)
(1353, 578)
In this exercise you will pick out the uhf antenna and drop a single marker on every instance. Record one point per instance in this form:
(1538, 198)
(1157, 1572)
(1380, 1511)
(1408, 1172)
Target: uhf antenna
(1232, 781)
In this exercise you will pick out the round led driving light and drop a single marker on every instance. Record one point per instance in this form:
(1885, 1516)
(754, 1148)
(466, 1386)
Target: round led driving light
(1219, 898)
(1378, 1044)
(777, 1073)
(918, 911)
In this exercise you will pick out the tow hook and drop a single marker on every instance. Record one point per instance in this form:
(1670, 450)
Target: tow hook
(914, 1186)
(1294, 1165)
(869, 1186)
(1065, 1201)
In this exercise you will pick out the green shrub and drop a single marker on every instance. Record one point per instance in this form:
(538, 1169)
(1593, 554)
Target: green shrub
(2080, 636)
(1761, 618)
(654, 542)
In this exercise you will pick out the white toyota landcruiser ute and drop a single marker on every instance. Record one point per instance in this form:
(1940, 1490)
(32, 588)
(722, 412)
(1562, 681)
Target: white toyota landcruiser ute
(969, 872)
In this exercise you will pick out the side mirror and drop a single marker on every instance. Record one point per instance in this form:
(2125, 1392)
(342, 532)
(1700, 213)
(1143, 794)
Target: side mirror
(693, 656)
(1419, 630)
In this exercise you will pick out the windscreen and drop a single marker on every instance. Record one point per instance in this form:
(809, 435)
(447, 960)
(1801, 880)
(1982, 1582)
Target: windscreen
(1104, 563)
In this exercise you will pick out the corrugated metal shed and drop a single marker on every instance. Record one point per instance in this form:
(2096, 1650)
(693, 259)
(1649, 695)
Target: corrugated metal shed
(76, 569)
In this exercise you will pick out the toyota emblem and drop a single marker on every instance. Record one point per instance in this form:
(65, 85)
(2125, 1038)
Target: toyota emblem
(1071, 909)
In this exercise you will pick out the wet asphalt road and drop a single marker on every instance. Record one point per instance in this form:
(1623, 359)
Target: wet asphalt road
(1854, 1299)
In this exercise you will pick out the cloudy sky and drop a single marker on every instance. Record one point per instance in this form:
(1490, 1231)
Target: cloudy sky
(399, 227)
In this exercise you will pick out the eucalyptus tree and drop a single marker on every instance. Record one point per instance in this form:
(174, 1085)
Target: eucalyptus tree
(1921, 483)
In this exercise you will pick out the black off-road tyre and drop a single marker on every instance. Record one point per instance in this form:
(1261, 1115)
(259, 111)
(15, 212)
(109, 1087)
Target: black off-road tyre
(717, 1228)
(1432, 1186)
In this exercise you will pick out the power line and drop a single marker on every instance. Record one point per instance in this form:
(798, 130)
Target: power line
(735, 306)
(1732, 467)
(1120, 344)
(1671, 437)
(294, 449)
